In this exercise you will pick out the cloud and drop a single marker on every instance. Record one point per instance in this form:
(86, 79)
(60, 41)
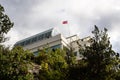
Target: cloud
(34, 16)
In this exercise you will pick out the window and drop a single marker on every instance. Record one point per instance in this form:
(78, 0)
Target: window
(27, 42)
(34, 39)
(40, 37)
(22, 43)
(46, 35)
(36, 53)
(56, 46)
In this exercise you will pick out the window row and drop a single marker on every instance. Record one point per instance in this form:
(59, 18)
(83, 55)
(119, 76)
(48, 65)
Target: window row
(34, 39)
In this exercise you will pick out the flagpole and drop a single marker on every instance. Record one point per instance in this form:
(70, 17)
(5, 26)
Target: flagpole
(70, 39)
(70, 45)
(69, 34)
(67, 23)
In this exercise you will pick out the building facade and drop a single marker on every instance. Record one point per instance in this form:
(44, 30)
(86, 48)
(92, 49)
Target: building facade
(53, 40)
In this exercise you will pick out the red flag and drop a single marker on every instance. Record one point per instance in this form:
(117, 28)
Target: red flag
(65, 22)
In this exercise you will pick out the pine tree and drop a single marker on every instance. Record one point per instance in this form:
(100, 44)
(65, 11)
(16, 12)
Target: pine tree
(101, 61)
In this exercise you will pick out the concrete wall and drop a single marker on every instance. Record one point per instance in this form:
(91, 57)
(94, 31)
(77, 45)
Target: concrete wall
(49, 42)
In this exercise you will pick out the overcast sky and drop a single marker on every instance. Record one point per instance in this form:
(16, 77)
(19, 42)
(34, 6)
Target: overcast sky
(34, 16)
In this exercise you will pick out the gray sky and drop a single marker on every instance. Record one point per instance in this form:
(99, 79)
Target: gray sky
(33, 16)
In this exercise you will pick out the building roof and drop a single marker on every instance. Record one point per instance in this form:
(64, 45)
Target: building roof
(40, 36)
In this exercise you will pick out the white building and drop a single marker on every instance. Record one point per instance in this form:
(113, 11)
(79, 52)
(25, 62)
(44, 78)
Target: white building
(50, 38)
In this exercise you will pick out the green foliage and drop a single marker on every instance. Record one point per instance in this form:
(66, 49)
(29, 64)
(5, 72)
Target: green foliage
(117, 75)
(42, 57)
(53, 65)
(101, 62)
(15, 64)
(5, 24)
(70, 57)
(57, 65)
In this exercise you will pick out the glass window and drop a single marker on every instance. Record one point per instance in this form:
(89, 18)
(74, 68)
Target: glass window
(22, 43)
(56, 46)
(47, 35)
(36, 53)
(27, 42)
(18, 44)
(34, 39)
(43, 36)
(40, 37)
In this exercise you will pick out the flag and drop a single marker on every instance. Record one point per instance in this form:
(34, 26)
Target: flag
(65, 22)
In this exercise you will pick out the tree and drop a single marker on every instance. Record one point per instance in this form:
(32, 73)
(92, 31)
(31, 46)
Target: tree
(100, 61)
(15, 64)
(5, 24)
(53, 65)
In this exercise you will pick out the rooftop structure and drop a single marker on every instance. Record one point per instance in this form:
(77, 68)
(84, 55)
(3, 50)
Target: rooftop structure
(38, 37)
(51, 38)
